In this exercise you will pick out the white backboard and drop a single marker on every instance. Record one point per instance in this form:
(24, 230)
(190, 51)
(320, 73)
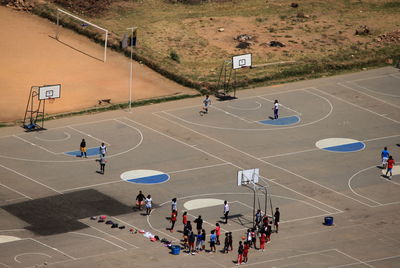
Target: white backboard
(248, 175)
(49, 92)
(241, 61)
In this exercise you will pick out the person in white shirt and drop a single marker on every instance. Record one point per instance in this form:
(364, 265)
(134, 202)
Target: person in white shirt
(148, 201)
(276, 109)
(103, 149)
(226, 211)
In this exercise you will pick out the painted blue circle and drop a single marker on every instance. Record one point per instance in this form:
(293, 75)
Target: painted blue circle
(283, 121)
(352, 147)
(141, 176)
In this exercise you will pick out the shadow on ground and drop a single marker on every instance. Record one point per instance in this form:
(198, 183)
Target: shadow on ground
(60, 213)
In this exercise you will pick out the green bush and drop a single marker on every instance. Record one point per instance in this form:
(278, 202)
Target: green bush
(174, 56)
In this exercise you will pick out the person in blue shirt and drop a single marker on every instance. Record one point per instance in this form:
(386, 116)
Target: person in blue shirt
(384, 157)
(213, 240)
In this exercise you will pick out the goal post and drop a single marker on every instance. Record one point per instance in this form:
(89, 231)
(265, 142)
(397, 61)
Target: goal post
(85, 23)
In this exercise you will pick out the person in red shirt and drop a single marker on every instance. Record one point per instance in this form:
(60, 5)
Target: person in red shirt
(245, 252)
(240, 254)
(263, 239)
(390, 164)
(173, 220)
(184, 218)
(217, 232)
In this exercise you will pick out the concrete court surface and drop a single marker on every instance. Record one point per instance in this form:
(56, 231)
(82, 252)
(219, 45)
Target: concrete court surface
(319, 159)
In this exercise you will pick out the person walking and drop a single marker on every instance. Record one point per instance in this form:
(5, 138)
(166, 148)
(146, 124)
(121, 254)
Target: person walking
(148, 201)
(139, 200)
(82, 148)
(174, 206)
(226, 211)
(277, 216)
(102, 162)
(226, 243)
(199, 223)
(390, 164)
(103, 149)
(246, 252)
(206, 104)
(263, 239)
(217, 232)
(384, 157)
(213, 240)
(240, 254)
(173, 220)
(276, 109)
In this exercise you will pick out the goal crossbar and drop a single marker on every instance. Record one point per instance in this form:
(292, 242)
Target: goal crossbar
(84, 21)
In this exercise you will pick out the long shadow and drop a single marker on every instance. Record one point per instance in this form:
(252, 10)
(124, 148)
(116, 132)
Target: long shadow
(80, 51)
(61, 213)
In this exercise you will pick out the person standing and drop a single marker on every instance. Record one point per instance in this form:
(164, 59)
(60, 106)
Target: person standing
(245, 252)
(82, 148)
(217, 232)
(213, 240)
(263, 239)
(139, 200)
(173, 220)
(258, 217)
(230, 241)
(174, 205)
(226, 211)
(148, 201)
(199, 242)
(390, 164)
(102, 162)
(203, 239)
(103, 149)
(184, 218)
(277, 217)
(384, 157)
(206, 104)
(240, 254)
(226, 243)
(276, 109)
(199, 224)
(192, 239)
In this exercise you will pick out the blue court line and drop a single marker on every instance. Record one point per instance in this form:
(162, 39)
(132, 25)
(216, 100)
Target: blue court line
(159, 178)
(89, 152)
(351, 147)
(289, 120)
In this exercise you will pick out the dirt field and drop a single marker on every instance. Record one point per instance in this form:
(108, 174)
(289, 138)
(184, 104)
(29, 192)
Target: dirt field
(32, 57)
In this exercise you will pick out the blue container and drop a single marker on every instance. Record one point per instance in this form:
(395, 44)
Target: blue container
(175, 250)
(328, 221)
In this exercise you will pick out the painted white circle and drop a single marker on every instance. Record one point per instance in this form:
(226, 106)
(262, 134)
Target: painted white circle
(251, 108)
(66, 137)
(7, 238)
(340, 145)
(145, 176)
(203, 203)
(395, 170)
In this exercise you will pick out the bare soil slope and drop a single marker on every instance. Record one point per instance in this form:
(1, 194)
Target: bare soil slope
(30, 56)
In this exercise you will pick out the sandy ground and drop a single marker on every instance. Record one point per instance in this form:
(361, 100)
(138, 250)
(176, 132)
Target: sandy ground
(30, 56)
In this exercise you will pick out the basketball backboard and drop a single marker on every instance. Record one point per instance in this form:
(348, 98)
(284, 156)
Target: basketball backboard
(248, 176)
(49, 92)
(241, 61)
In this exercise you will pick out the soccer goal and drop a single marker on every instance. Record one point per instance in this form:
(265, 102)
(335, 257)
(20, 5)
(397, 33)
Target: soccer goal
(80, 23)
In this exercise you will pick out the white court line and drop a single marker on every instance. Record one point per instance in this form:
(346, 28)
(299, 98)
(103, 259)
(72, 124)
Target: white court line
(95, 236)
(29, 253)
(113, 236)
(11, 200)
(196, 168)
(59, 251)
(89, 135)
(368, 78)
(212, 225)
(231, 114)
(251, 156)
(395, 76)
(353, 258)
(161, 232)
(90, 186)
(358, 106)
(369, 95)
(33, 144)
(354, 192)
(290, 109)
(63, 139)
(5, 265)
(369, 261)
(9, 188)
(29, 178)
(246, 109)
(124, 222)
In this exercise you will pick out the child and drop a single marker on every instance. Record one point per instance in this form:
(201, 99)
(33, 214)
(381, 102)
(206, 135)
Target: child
(226, 243)
(206, 103)
(230, 241)
(254, 238)
(249, 239)
(384, 157)
(139, 200)
(240, 253)
(217, 232)
(192, 238)
(186, 231)
(199, 242)
(263, 239)
(276, 109)
(213, 239)
(245, 252)
(390, 164)
(203, 239)
(103, 149)
(184, 218)
(173, 220)
(277, 216)
(83, 148)
(148, 204)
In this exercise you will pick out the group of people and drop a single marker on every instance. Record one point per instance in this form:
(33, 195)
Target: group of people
(142, 200)
(102, 152)
(387, 162)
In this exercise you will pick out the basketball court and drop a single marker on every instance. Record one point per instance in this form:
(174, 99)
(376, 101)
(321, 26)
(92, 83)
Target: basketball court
(318, 159)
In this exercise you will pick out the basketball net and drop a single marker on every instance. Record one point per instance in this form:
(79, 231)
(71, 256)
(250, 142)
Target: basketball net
(51, 100)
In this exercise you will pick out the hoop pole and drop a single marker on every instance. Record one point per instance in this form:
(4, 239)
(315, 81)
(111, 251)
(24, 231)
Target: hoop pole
(58, 24)
(131, 67)
(105, 47)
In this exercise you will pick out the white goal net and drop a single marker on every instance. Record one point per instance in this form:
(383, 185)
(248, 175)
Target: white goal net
(79, 23)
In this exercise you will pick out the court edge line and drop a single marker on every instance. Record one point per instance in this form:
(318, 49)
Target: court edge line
(290, 109)
(369, 95)
(232, 114)
(29, 178)
(373, 260)
(98, 237)
(212, 225)
(55, 249)
(369, 78)
(196, 168)
(24, 195)
(89, 135)
(159, 231)
(353, 258)
(113, 236)
(251, 156)
(354, 192)
(355, 105)
(28, 253)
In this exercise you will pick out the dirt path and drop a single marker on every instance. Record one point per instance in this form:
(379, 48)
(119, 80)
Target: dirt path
(30, 56)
